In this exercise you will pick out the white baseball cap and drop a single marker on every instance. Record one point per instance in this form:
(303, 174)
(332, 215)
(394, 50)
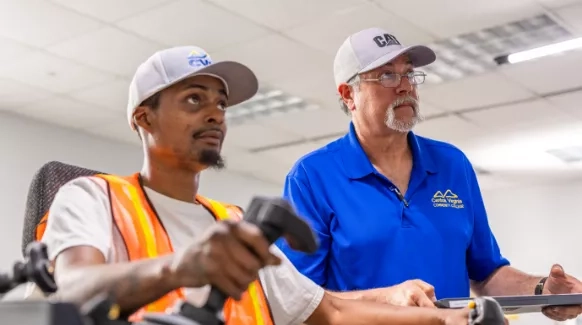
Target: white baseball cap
(170, 66)
(371, 48)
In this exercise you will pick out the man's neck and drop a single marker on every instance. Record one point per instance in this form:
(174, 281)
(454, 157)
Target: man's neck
(386, 149)
(176, 183)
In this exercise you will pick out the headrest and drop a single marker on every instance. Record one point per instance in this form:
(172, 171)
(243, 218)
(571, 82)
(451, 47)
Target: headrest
(44, 186)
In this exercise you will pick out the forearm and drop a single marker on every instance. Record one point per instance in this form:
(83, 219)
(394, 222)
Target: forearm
(336, 311)
(507, 281)
(368, 313)
(356, 295)
(132, 284)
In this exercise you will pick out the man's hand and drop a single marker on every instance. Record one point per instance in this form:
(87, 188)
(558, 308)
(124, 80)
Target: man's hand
(456, 316)
(409, 293)
(559, 282)
(229, 256)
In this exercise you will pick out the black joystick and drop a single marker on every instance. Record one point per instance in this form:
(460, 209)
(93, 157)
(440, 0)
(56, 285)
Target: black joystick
(276, 218)
(34, 268)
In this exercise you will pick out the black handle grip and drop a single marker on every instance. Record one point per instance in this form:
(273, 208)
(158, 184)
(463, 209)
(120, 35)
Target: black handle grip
(275, 217)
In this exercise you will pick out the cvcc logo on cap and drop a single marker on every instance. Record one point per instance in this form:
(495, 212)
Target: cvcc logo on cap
(198, 59)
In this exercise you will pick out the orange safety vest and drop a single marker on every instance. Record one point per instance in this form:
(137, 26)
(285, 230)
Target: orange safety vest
(145, 237)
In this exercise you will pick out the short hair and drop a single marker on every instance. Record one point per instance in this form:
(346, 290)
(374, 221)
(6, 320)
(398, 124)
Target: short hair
(152, 102)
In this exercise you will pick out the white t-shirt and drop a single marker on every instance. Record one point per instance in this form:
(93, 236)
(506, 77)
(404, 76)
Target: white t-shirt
(81, 215)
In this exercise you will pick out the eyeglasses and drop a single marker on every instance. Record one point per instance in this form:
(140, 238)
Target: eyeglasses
(390, 80)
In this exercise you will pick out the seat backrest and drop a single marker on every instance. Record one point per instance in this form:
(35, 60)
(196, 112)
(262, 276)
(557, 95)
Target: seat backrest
(43, 188)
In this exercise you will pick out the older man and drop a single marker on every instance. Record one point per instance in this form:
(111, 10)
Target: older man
(390, 206)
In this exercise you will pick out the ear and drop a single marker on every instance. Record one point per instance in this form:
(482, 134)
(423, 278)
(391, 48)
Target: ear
(347, 95)
(142, 117)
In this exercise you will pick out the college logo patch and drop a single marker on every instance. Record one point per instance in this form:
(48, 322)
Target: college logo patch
(447, 199)
(199, 59)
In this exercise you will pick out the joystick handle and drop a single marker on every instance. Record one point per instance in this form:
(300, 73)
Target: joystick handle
(486, 311)
(276, 218)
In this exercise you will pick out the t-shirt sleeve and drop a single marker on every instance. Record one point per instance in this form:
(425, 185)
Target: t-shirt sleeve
(483, 256)
(292, 296)
(79, 216)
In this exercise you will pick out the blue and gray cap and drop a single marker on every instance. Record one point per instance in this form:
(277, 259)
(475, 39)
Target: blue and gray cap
(170, 66)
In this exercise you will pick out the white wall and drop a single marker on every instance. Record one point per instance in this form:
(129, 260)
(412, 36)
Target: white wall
(26, 145)
(537, 227)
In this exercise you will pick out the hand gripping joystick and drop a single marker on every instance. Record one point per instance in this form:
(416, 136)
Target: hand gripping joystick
(276, 218)
(486, 311)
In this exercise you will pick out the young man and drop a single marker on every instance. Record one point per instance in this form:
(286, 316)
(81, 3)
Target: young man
(405, 206)
(152, 240)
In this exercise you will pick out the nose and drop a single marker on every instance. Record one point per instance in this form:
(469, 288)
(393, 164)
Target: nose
(215, 116)
(405, 86)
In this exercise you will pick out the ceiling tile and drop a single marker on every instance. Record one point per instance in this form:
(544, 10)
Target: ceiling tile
(115, 128)
(309, 124)
(52, 73)
(558, 3)
(446, 18)
(41, 23)
(254, 135)
(517, 116)
(108, 49)
(329, 32)
(571, 15)
(112, 95)
(429, 110)
(109, 10)
(12, 50)
(476, 91)
(66, 112)
(276, 59)
(569, 102)
(548, 74)
(450, 129)
(207, 26)
(317, 87)
(14, 94)
(283, 14)
(289, 155)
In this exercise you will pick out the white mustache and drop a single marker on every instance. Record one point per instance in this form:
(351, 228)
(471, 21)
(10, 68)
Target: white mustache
(407, 100)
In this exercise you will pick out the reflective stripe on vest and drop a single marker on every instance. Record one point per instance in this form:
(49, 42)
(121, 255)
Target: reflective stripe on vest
(145, 237)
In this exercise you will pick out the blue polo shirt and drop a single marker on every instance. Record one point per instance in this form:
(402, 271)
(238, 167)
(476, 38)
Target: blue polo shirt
(372, 237)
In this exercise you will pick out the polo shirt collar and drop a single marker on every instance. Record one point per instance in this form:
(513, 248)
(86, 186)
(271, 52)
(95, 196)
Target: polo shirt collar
(357, 164)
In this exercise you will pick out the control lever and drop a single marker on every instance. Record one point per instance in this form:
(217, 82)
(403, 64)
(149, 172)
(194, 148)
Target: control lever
(276, 218)
(34, 268)
(485, 311)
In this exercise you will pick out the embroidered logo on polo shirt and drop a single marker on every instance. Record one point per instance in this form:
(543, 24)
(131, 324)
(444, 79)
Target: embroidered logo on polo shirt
(447, 199)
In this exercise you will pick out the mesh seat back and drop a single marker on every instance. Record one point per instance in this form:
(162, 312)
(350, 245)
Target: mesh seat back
(43, 188)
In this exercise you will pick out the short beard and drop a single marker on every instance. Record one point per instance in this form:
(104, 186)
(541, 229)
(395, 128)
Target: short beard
(212, 159)
(400, 126)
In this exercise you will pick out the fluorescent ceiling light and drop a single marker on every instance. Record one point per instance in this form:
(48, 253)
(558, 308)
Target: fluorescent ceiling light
(545, 51)
(470, 54)
(267, 102)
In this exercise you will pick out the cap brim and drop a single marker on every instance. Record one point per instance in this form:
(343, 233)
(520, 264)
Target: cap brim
(241, 81)
(420, 56)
